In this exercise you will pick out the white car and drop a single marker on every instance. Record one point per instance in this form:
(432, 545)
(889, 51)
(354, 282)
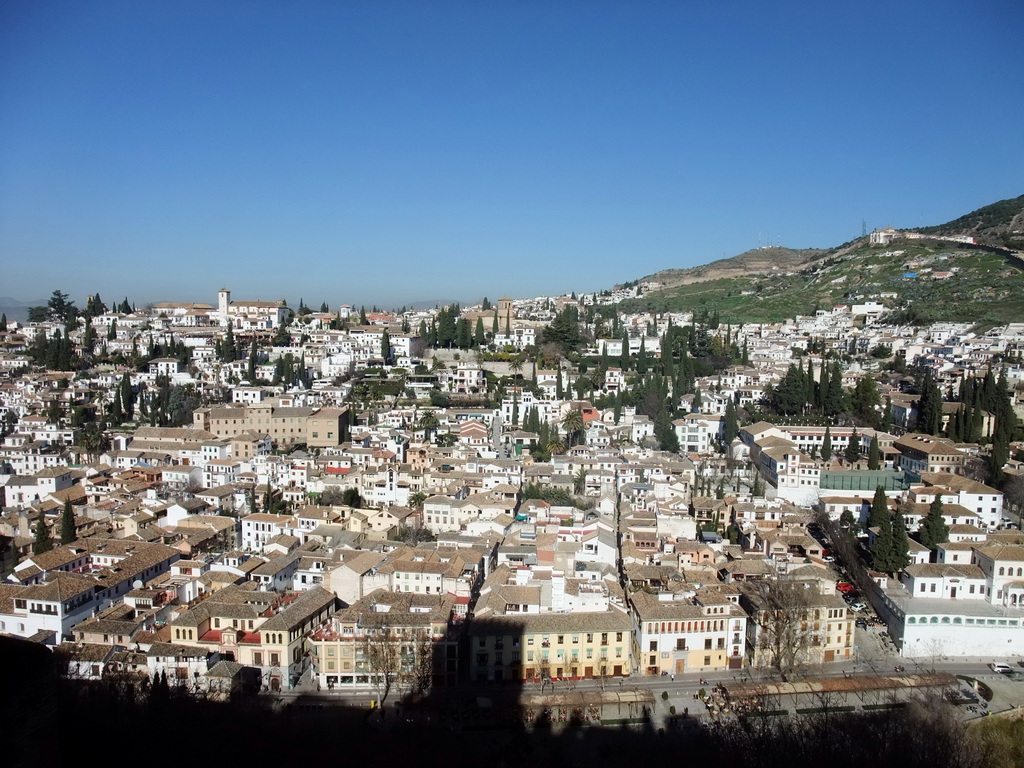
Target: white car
(1001, 669)
(858, 606)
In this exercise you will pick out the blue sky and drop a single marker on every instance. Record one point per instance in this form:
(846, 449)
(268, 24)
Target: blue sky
(396, 152)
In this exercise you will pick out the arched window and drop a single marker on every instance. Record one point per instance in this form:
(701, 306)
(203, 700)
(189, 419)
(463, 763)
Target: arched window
(911, 620)
(1002, 571)
(945, 619)
(935, 619)
(958, 620)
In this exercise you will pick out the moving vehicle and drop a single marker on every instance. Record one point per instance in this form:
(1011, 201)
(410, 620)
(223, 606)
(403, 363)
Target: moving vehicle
(1000, 668)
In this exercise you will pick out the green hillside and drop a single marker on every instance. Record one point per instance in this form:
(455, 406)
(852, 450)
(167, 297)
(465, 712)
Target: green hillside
(1000, 223)
(983, 288)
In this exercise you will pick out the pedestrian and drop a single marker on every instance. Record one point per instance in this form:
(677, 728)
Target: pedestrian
(673, 677)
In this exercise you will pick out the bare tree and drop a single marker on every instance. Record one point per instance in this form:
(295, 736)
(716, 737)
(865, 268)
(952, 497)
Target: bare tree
(381, 654)
(781, 609)
(396, 655)
(420, 668)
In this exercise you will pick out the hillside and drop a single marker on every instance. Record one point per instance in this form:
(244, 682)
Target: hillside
(760, 261)
(1000, 223)
(950, 281)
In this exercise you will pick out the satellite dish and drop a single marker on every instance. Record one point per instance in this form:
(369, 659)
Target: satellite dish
(137, 584)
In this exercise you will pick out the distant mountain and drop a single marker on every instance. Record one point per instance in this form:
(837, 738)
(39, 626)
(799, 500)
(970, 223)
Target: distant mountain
(919, 280)
(17, 310)
(1000, 223)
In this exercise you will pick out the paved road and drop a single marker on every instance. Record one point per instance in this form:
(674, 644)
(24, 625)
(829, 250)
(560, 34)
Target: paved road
(683, 686)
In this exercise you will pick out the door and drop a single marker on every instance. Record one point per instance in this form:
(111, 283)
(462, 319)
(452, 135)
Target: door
(952, 593)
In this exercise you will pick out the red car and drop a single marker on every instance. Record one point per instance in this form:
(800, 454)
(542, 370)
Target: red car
(845, 587)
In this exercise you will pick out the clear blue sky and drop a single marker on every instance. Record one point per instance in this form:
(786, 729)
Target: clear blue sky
(395, 152)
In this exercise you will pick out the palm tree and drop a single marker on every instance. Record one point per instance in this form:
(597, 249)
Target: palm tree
(428, 423)
(573, 425)
(580, 481)
(555, 445)
(95, 442)
(416, 500)
(516, 366)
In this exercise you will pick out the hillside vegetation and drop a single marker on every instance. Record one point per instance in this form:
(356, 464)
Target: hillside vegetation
(1000, 223)
(984, 284)
(982, 287)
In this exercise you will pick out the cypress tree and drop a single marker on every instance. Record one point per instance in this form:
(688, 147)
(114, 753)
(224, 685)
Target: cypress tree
(43, 538)
(874, 453)
(67, 524)
(933, 529)
(665, 431)
(886, 423)
(900, 543)
(731, 427)
(641, 358)
(809, 397)
(882, 555)
(834, 397)
(852, 452)
(826, 443)
(127, 397)
(253, 354)
(879, 513)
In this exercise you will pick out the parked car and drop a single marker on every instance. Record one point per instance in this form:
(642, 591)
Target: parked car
(1000, 668)
(858, 606)
(862, 624)
(845, 586)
